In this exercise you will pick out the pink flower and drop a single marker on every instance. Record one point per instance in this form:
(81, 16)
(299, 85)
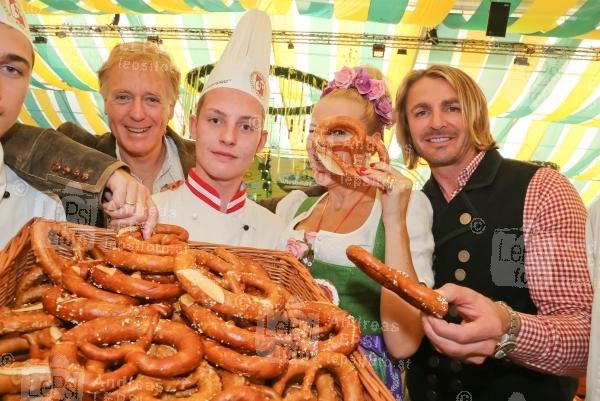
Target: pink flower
(329, 88)
(296, 248)
(362, 83)
(310, 237)
(383, 108)
(344, 77)
(377, 89)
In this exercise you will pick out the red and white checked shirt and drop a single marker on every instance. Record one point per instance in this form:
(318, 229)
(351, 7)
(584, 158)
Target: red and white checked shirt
(555, 340)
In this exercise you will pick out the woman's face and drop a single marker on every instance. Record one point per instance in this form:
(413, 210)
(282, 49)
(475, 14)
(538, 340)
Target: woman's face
(327, 107)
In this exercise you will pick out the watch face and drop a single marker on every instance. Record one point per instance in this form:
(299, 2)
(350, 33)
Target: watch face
(507, 343)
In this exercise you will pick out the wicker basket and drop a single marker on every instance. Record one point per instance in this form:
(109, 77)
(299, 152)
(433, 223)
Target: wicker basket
(283, 268)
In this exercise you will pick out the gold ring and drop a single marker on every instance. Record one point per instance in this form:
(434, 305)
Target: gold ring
(389, 182)
(130, 203)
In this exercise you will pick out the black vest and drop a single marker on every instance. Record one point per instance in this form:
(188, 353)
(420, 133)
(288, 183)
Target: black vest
(479, 244)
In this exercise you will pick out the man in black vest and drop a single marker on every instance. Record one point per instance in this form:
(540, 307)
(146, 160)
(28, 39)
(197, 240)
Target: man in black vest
(510, 255)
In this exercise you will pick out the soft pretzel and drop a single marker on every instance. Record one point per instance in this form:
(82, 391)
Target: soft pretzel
(416, 294)
(73, 282)
(28, 376)
(338, 364)
(231, 300)
(140, 262)
(30, 287)
(167, 240)
(24, 321)
(341, 332)
(359, 147)
(189, 354)
(262, 367)
(247, 393)
(213, 326)
(65, 364)
(114, 280)
(77, 310)
(45, 252)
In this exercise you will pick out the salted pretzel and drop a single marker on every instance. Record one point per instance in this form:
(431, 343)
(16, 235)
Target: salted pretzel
(213, 326)
(76, 284)
(31, 287)
(76, 310)
(166, 240)
(227, 295)
(247, 393)
(187, 343)
(155, 264)
(359, 147)
(239, 263)
(257, 366)
(338, 364)
(27, 377)
(25, 320)
(45, 251)
(416, 294)
(323, 327)
(115, 280)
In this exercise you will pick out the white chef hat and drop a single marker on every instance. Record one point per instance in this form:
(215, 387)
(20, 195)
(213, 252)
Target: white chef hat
(11, 14)
(244, 65)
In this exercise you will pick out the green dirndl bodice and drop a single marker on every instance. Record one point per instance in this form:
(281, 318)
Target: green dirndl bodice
(360, 296)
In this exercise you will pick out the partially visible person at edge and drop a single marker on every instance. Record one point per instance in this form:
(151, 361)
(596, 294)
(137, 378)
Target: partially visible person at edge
(380, 212)
(228, 129)
(22, 199)
(592, 233)
(509, 254)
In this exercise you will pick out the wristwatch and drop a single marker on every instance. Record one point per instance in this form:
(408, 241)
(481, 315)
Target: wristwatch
(508, 341)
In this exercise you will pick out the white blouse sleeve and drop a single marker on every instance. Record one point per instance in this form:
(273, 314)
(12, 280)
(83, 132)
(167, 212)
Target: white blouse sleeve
(288, 206)
(419, 221)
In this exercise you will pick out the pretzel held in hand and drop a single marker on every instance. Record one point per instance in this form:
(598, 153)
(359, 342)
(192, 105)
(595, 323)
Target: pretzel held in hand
(416, 294)
(359, 146)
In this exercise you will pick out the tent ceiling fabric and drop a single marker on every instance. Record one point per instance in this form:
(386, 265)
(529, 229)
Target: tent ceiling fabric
(548, 110)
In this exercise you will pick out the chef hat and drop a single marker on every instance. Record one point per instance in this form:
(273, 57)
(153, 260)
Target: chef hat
(11, 14)
(244, 65)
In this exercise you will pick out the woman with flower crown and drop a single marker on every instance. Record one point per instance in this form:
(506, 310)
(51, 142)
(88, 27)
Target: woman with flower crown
(382, 214)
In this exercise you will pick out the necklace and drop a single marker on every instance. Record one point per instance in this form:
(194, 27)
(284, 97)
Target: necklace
(343, 220)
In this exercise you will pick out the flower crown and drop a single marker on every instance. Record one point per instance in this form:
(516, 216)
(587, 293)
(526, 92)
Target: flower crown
(371, 89)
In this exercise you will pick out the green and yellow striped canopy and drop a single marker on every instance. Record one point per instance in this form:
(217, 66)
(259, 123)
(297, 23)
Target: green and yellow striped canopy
(548, 110)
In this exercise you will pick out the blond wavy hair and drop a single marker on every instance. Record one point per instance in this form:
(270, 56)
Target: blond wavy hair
(141, 56)
(470, 97)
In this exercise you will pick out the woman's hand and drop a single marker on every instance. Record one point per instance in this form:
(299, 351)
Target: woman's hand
(395, 189)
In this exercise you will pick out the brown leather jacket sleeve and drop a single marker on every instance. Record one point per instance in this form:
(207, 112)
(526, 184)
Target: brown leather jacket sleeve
(50, 161)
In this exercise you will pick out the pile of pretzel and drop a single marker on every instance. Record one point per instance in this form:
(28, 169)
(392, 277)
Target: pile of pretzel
(158, 320)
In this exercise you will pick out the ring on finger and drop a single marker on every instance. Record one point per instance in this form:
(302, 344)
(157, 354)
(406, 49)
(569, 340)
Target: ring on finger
(389, 182)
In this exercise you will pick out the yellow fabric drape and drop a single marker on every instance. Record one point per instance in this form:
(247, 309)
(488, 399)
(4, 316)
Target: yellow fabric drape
(541, 16)
(585, 88)
(356, 10)
(429, 13)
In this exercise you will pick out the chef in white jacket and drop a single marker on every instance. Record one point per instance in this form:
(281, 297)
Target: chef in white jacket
(228, 128)
(592, 236)
(19, 201)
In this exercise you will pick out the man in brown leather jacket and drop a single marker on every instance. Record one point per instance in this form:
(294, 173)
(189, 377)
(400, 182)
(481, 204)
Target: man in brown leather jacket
(87, 175)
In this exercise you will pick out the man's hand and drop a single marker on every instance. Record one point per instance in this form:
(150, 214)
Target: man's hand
(484, 322)
(130, 203)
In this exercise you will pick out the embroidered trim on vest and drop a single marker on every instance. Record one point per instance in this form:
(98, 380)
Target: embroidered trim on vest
(209, 195)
